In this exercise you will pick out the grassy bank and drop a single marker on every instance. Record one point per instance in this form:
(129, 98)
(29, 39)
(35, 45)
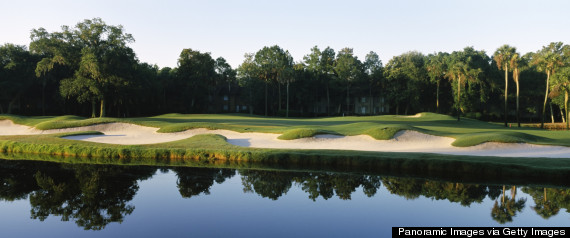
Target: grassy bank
(212, 151)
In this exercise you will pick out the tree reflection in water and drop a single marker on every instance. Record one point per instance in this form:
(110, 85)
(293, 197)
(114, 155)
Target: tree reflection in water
(92, 196)
(274, 184)
(17, 179)
(548, 201)
(194, 181)
(508, 208)
(95, 195)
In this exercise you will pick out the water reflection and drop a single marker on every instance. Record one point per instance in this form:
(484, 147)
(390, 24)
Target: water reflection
(508, 208)
(94, 196)
(195, 181)
(548, 201)
(91, 196)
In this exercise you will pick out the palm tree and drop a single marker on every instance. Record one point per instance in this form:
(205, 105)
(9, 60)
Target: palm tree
(561, 83)
(548, 59)
(285, 74)
(436, 67)
(503, 57)
(518, 63)
(460, 69)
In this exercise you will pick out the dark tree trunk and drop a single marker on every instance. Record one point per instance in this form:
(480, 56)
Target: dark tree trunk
(266, 99)
(10, 106)
(545, 99)
(437, 98)
(279, 95)
(102, 113)
(229, 97)
(459, 99)
(328, 101)
(251, 100)
(12, 103)
(371, 102)
(93, 109)
(506, 92)
(551, 112)
(287, 112)
(562, 114)
(44, 97)
(347, 98)
(518, 112)
(398, 109)
(566, 109)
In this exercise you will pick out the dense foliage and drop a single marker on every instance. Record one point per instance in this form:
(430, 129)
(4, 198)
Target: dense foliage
(90, 69)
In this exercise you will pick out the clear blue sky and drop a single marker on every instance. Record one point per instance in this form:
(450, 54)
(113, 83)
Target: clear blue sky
(231, 28)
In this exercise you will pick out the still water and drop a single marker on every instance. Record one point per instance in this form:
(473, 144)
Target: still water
(77, 200)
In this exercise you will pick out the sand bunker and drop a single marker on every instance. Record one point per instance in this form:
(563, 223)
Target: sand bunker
(403, 141)
(7, 127)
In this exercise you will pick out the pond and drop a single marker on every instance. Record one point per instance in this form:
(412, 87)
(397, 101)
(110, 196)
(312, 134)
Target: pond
(82, 200)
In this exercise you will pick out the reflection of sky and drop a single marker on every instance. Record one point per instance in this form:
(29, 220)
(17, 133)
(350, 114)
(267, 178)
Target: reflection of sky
(160, 211)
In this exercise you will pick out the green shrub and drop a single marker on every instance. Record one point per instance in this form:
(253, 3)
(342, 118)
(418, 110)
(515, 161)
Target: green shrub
(503, 137)
(387, 132)
(302, 133)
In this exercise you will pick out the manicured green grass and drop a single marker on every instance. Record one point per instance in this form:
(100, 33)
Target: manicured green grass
(468, 132)
(303, 133)
(387, 132)
(505, 137)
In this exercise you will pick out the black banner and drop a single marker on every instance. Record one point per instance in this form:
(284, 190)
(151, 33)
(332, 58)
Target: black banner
(480, 232)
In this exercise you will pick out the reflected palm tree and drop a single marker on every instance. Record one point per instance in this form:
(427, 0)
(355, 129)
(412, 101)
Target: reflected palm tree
(508, 208)
(546, 209)
(545, 206)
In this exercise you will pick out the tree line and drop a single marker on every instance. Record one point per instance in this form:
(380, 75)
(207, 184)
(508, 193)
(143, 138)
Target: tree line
(90, 70)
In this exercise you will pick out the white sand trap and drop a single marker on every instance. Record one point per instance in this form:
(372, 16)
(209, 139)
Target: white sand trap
(8, 127)
(403, 141)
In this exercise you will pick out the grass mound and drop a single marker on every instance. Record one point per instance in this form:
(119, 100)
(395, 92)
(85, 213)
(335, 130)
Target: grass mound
(59, 122)
(503, 137)
(387, 132)
(65, 122)
(303, 133)
(179, 127)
